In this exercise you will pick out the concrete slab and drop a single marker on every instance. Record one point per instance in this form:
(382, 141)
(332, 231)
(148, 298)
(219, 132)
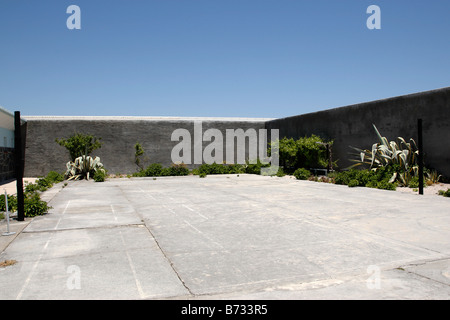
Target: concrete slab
(231, 237)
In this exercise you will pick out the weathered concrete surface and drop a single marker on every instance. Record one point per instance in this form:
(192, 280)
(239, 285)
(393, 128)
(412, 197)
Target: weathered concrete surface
(118, 135)
(394, 117)
(231, 237)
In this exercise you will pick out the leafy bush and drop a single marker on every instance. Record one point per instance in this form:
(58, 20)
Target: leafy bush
(44, 183)
(12, 203)
(353, 183)
(302, 174)
(306, 152)
(34, 206)
(414, 182)
(100, 176)
(215, 168)
(386, 185)
(254, 168)
(31, 187)
(153, 170)
(55, 177)
(175, 170)
(379, 178)
(80, 144)
(236, 168)
(280, 172)
(157, 170)
(444, 193)
(138, 174)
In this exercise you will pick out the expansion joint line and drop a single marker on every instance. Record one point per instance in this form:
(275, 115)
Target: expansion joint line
(160, 248)
(170, 262)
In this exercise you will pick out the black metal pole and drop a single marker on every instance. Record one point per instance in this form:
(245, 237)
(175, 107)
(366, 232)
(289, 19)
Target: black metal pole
(419, 128)
(19, 161)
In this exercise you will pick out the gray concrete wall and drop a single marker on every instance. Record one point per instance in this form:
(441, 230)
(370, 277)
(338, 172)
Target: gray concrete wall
(394, 117)
(347, 126)
(119, 135)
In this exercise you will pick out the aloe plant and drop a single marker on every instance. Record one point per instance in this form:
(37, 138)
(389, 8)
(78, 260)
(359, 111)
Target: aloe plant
(83, 167)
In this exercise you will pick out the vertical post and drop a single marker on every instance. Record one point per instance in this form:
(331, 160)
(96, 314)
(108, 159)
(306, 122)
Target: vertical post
(19, 165)
(419, 128)
(8, 232)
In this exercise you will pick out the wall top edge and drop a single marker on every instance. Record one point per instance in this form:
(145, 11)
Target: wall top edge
(135, 118)
(445, 90)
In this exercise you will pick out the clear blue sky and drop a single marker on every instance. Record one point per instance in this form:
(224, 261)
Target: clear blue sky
(217, 58)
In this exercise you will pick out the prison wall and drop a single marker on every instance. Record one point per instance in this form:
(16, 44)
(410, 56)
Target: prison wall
(394, 117)
(118, 136)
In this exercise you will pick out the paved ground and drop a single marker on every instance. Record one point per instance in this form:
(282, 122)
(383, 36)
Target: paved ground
(230, 237)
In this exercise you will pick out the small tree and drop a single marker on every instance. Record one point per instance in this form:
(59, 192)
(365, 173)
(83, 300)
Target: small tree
(80, 144)
(139, 152)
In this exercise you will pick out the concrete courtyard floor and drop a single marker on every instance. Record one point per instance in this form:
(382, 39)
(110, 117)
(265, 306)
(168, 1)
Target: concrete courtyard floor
(229, 237)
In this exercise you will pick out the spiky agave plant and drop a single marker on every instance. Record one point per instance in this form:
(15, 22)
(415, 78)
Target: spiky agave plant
(83, 167)
(385, 153)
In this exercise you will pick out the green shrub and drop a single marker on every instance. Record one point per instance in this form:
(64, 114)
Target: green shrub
(215, 168)
(175, 170)
(305, 152)
(302, 174)
(138, 174)
(44, 183)
(31, 187)
(414, 182)
(80, 144)
(235, 168)
(366, 178)
(385, 185)
(353, 183)
(34, 206)
(153, 170)
(254, 168)
(55, 177)
(12, 203)
(444, 193)
(280, 172)
(100, 176)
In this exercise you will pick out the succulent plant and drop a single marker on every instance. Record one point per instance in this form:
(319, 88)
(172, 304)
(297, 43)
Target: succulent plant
(83, 167)
(385, 153)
